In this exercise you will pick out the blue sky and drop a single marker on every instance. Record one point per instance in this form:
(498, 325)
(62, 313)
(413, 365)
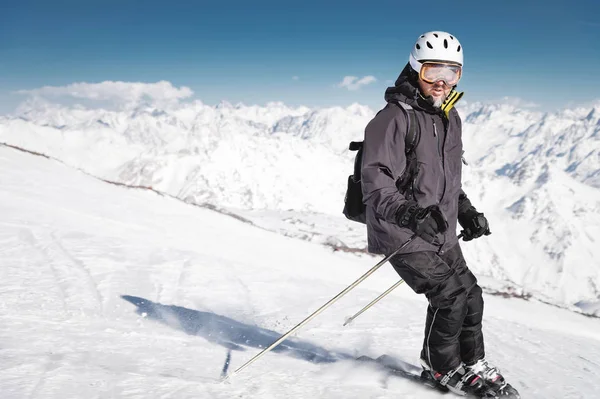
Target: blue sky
(546, 52)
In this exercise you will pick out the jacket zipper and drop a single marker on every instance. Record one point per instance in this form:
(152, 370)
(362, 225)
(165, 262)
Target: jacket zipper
(437, 138)
(442, 163)
(440, 154)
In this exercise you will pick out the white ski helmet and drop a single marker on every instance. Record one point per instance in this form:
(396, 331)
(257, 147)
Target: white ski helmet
(436, 46)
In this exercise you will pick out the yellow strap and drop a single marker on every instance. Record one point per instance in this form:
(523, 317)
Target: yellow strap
(452, 98)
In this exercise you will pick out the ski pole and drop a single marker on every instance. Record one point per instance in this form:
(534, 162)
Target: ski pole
(374, 301)
(321, 309)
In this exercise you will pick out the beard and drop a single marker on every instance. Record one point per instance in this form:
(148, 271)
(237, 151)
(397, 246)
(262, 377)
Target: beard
(435, 102)
(438, 102)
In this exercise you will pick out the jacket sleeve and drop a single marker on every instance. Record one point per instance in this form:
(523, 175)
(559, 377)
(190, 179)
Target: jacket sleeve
(464, 204)
(383, 162)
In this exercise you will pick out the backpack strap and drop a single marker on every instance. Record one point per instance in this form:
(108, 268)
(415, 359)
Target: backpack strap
(413, 133)
(356, 146)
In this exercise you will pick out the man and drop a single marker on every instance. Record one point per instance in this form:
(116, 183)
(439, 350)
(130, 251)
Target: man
(420, 194)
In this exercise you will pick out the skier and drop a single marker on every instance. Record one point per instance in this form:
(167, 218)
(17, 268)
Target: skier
(422, 195)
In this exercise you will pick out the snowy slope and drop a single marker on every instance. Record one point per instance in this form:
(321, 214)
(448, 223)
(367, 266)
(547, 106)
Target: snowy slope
(109, 292)
(535, 175)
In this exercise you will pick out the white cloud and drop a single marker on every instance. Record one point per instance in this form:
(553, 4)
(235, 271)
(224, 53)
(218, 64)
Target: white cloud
(355, 83)
(162, 92)
(295, 78)
(518, 102)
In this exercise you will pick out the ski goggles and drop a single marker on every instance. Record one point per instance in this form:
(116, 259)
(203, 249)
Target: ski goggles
(432, 72)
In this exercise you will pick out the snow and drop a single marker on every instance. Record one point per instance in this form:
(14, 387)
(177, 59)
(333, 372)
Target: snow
(115, 292)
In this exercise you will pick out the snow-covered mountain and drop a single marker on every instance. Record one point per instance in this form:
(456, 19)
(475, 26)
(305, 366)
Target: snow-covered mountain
(535, 175)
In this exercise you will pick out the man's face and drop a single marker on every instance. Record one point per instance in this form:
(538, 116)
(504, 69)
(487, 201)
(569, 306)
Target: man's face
(438, 91)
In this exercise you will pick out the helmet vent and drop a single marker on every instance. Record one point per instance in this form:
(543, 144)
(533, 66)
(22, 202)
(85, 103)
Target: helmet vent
(451, 37)
(445, 43)
(435, 34)
(458, 49)
(429, 45)
(418, 47)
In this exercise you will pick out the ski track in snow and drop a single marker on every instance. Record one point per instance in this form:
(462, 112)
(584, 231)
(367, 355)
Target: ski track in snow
(75, 267)
(112, 293)
(27, 235)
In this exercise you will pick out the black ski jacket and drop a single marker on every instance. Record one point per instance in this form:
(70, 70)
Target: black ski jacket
(437, 180)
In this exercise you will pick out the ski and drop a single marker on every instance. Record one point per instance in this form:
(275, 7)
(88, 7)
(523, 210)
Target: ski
(399, 368)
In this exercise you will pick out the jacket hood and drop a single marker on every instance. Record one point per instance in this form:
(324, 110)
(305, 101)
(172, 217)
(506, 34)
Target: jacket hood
(406, 90)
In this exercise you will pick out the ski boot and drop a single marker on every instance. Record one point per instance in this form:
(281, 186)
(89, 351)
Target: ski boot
(493, 380)
(460, 381)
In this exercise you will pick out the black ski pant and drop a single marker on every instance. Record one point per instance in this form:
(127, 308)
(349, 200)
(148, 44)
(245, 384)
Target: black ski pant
(453, 325)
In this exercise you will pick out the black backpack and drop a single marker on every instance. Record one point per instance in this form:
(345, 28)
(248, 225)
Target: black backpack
(354, 209)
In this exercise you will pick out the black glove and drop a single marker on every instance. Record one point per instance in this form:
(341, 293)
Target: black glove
(474, 223)
(425, 222)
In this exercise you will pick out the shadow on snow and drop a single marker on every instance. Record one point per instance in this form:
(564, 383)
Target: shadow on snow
(230, 333)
